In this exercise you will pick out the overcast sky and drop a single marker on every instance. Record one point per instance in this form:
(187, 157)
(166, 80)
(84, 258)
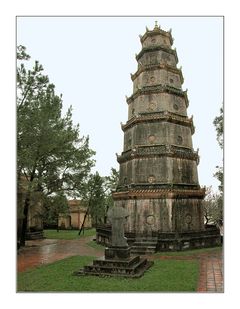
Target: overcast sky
(89, 59)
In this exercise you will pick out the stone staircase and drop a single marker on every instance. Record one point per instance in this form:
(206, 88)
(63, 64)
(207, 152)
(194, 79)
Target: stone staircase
(132, 267)
(144, 246)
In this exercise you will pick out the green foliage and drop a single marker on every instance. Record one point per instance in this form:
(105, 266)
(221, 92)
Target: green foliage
(163, 276)
(219, 125)
(53, 206)
(52, 158)
(94, 198)
(213, 207)
(110, 183)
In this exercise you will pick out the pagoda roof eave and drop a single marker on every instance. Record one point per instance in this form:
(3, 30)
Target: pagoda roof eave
(156, 31)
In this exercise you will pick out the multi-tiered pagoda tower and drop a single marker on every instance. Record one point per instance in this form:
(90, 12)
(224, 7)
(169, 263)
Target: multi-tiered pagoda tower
(158, 166)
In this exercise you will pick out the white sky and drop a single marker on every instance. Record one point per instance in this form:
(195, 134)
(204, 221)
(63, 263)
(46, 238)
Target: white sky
(89, 59)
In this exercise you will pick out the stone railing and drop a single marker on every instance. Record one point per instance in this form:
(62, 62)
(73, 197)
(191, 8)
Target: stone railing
(156, 66)
(159, 150)
(165, 115)
(156, 48)
(158, 89)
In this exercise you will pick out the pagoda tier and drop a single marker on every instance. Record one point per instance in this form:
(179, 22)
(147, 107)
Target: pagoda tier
(158, 183)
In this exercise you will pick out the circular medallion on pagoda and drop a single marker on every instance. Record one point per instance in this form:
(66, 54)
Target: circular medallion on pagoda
(175, 106)
(151, 179)
(179, 140)
(151, 139)
(188, 218)
(152, 106)
(150, 220)
(152, 79)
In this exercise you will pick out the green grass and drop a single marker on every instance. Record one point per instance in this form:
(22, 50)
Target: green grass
(94, 245)
(190, 252)
(67, 234)
(163, 276)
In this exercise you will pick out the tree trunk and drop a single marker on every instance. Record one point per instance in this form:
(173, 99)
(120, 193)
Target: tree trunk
(82, 226)
(25, 219)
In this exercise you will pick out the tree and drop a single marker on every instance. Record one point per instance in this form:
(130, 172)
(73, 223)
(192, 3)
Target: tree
(212, 207)
(94, 199)
(111, 183)
(52, 158)
(98, 196)
(53, 206)
(219, 125)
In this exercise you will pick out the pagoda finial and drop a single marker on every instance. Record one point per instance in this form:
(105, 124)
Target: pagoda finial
(157, 27)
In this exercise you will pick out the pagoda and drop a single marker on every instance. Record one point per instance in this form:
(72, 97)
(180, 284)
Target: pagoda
(158, 183)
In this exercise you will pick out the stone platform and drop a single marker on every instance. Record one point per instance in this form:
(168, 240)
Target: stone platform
(165, 241)
(132, 267)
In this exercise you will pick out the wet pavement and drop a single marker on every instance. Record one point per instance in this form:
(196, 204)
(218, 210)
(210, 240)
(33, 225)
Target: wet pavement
(211, 275)
(45, 251)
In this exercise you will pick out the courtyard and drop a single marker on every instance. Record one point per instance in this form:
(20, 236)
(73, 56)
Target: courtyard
(47, 265)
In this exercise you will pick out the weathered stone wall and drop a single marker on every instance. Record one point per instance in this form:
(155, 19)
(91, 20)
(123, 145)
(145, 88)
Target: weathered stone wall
(187, 215)
(163, 215)
(162, 169)
(157, 103)
(157, 40)
(158, 56)
(155, 77)
(157, 133)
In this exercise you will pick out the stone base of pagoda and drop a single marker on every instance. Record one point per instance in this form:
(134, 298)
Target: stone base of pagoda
(162, 210)
(166, 241)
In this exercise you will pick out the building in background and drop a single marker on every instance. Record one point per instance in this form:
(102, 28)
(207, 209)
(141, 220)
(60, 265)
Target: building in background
(75, 217)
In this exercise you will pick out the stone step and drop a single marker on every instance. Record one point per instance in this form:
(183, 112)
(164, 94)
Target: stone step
(151, 239)
(144, 247)
(117, 263)
(108, 269)
(146, 243)
(137, 274)
(143, 251)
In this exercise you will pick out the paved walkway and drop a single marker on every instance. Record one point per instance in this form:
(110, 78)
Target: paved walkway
(211, 274)
(45, 251)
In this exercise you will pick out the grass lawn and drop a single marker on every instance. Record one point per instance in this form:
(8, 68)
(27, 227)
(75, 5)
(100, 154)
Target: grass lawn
(94, 245)
(68, 234)
(163, 276)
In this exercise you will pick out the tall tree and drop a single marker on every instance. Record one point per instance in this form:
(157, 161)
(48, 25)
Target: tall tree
(110, 183)
(219, 126)
(212, 207)
(94, 200)
(52, 158)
